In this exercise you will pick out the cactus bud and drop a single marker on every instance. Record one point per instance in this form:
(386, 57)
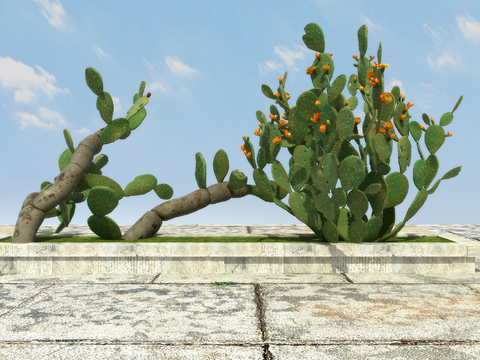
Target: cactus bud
(325, 68)
(382, 131)
(257, 132)
(388, 125)
(330, 54)
(280, 79)
(358, 120)
(402, 117)
(392, 136)
(323, 128)
(360, 88)
(317, 102)
(316, 55)
(249, 155)
(421, 127)
(448, 134)
(355, 57)
(276, 140)
(282, 122)
(242, 147)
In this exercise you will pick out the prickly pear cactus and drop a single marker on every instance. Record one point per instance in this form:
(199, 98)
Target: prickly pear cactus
(320, 131)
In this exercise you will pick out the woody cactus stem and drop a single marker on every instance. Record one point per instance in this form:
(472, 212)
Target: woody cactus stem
(149, 224)
(36, 205)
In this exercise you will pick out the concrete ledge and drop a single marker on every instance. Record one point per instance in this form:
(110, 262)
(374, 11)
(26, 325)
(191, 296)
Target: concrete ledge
(243, 258)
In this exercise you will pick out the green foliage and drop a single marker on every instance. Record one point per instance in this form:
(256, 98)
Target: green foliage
(321, 134)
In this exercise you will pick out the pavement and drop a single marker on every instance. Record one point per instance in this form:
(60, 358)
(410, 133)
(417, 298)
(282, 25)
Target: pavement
(244, 316)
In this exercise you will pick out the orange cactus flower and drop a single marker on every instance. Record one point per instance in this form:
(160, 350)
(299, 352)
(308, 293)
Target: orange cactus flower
(317, 102)
(325, 68)
(421, 127)
(278, 95)
(403, 117)
(280, 79)
(316, 55)
(287, 96)
(370, 74)
(386, 98)
(448, 134)
(323, 128)
(372, 57)
(372, 83)
(291, 107)
(249, 155)
(311, 70)
(431, 119)
(315, 117)
(392, 136)
(388, 125)
(330, 54)
(376, 81)
(401, 95)
(382, 131)
(286, 133)
(257, 132)
(355, 57)
(282, 122)
(358, 120)
(242, 147)
(273, 117)
(409, 104)
(276, 140)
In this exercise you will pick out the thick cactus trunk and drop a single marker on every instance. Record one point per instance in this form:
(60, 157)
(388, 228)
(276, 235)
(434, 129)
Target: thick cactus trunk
(36, 205)
(149, 224)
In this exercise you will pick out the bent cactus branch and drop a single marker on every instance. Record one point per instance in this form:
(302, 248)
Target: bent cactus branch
(36, 205)
(149, 224)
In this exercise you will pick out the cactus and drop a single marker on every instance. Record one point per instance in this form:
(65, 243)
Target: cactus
(318, 135)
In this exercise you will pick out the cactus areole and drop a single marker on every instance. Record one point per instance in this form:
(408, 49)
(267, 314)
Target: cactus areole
(329, 182)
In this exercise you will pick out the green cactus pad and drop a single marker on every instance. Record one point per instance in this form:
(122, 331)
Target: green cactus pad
(64, 159)
(431, 170)
(93, 169)
(457, 104)
(415, 130)
(250, 149)
(77, 197)
(351, 172)
(114, 131)
(434, 138)
(324, 205)
(373, 189)
(164, 191)
(127, 133)
(337, 87)
(353, 84)
(401, 125)
(94, 81)
(319, 179)
(404, 148)
(357, 231)
(339, 198)
(362, 40)
(330, 169)
(352, 103)
(68, 139)
(100, 160)
(373, 228)
(237, 180)
(313, 38)
(388, 219)
(280, 176)
(376, 200)
(320, 78)
(139, 104)
(342, 225)
(261, 116)
(261, 158)
(137, 118)
(426, 119)
(446, 119)
(104, 227)
(450, 174)
(330, 232)
(416, 205)
(357, 203)
(220, 165)
(105, 107)
(280, 193)
(268, 92)
(364, 67)
(303, 208)
(52, 213)
(397, 186)
(102, 200)
(345, 123)
(141, 89)
(263, 184)
(142, 184)
(135, 98)
(297, 176)
(419, 173)
(92, 180)
(381, 147)
(387, 110)
(283, 205)
(200, 171)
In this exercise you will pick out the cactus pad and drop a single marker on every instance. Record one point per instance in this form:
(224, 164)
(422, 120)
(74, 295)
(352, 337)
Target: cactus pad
(303, 208)
(104, 227)
(164, 191)
(92, 180)
(263, 184)
(345, 123)
(200, 171)
(404, 148)
(431, 170)
(139, 104)
(114, 131)
(220, 165)
(68, 139)
(446, 119)
(105, 107)
(419, 173)
(415, 130)
(101, 160)
(434, 138)
(337, 87)
(280, 176)
(140, 185)
(416, 205)
(397, 186)
(137, 118)
(102, 200)
(362, 40)
(237, 180)
(64, 159)
(357, 231)
(357, 203)
(373, 228)
(141, 89)
(94, 81)
(313, 38)
(351, 172)
(268, 92)
(330, 232)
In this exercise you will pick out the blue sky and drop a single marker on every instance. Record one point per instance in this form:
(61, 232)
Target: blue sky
(204, 63)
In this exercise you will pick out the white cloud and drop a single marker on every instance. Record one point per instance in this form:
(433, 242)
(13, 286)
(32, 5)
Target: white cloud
(269, 66)
(150, 67)
(395, 82)
(117, 107)
(54, 12)
(443, 60)
(289, 56)
(435, 35)
(469, 27)
(429, 86)
(83, 131)
(26, 82)
(158, 85)
(99, 52)
(179, 68)
(368, 22)
(52, 118)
